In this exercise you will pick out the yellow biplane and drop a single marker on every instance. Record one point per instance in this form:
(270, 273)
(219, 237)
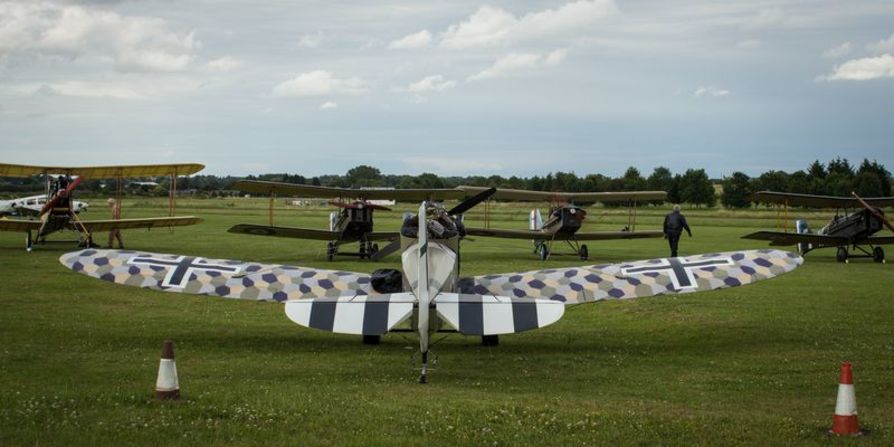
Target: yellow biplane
(57, 213)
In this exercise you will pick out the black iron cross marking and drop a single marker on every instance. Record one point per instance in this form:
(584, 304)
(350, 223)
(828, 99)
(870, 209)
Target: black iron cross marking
(681, 272)
(183, 267)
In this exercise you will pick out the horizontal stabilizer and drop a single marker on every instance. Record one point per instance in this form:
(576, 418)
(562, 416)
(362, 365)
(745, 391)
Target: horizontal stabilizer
(354, 315)
(494, 315)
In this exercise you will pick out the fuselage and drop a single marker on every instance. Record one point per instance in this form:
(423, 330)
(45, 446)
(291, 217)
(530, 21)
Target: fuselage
(855, 227)
(32, 205)
(564, 221)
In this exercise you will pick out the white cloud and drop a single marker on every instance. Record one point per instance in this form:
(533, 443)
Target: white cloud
(310, 40)
(435, 83)
(319, 83)
(838, 51)
(328, 105)
(882, 46)
(416, 40)
(863, 69)
(750, 44)
(710, 91)
(514, 62)
(133, 43)
(224, 64)
(490, 26)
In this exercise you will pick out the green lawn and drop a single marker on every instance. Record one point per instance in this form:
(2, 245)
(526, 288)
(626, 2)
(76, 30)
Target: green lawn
(755, 365)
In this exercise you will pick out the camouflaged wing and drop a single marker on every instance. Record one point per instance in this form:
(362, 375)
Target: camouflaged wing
(215, 277)
(575, 285)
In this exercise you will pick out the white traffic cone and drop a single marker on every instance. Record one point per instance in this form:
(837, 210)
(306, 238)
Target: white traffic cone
(845, 420)
(167, 386)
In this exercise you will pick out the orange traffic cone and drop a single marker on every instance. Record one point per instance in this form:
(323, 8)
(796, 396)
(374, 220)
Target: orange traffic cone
(167, 386)
(845, 421)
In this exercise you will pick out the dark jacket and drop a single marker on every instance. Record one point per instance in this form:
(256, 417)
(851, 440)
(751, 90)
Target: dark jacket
(675, 223)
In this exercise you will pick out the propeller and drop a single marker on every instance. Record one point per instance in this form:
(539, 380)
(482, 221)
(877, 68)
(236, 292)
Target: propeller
(469, 203)
(874, 211)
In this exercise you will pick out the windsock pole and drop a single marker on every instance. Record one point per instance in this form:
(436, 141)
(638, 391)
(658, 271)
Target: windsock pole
(845, 421)
(167, 386)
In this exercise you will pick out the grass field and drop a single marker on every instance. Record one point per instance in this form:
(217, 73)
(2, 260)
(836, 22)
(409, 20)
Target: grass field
(755, 365)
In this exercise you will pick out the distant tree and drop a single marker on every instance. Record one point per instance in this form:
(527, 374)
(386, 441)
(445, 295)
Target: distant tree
(736, 191)
(364, 175)
(841, 167)
(867, 184)
(429, 180)
(816, 171)
(675, 190)
(772, 181)
(566, 181)
(315, 181)
(696, 188)
(633, 181)
(877, 170)
(799, 182)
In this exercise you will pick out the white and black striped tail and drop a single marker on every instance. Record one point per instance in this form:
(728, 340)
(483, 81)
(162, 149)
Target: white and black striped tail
(495, 315)
(355, 315)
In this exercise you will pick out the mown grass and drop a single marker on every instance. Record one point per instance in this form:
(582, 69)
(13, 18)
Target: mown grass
(754, 365)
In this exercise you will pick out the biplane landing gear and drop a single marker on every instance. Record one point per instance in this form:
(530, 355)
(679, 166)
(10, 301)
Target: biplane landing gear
(841, 254)
(29, 242)
(878, 255)
(490, 340)
(373, 249)
(583, 252)
(372, 339)
(544, 252)
(331, 250)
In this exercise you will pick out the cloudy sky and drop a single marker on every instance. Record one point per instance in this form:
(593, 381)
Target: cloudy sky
(460, 87)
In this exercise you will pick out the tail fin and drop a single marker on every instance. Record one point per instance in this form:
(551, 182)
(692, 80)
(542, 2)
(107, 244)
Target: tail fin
(802, 227)
(535, 220)
(333, 220)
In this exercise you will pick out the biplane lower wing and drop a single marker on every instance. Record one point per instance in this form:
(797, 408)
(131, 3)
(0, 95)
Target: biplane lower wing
(147, 222)
(882, 240)
(545, 236)
(104, 225)
(303, 233)
(779, 238)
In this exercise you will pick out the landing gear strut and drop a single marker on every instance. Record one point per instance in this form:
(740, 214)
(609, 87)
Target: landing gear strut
(29, 243)
(331, 250)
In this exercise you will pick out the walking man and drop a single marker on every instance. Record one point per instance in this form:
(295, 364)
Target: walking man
(115, 233)
(674, 224)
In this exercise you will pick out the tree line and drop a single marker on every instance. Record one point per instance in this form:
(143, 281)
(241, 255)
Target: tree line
(837, 177)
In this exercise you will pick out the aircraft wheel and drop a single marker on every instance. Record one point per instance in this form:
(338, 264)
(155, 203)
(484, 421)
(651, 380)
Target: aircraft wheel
(583, 252)
(544, 252)
(330, 251)
(29, 243)
(372, 339)
(841, 255)
(490, 340)
(878, 254)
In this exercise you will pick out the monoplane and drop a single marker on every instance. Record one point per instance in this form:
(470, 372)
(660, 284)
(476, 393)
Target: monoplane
(59, 211)
(428, 294)
(851, 230)
(352, 223)
(566, 217)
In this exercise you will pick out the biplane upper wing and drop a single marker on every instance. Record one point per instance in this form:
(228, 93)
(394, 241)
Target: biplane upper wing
(548, 196)
(540, 235)
(779, 238)
(302, 233)
(576, 285)
(144, 222)
(817, 201)
(98, 172)
(294, 189)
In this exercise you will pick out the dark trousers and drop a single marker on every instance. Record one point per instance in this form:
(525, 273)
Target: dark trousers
(673, 239)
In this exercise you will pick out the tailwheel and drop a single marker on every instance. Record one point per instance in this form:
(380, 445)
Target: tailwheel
(544, 252)
(841, 254)
(583, 252)
(331, 250)
(490, 340)
(878, 255)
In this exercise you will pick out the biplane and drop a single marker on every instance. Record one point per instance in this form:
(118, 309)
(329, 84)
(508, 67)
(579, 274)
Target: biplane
(32, 205)
(428, 294)
(565, 219)
(352, 223)
(59, 211)
(852, 228)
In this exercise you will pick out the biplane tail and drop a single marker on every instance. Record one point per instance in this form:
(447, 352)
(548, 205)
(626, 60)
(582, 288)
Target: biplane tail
(496, 315)
(353, 315)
